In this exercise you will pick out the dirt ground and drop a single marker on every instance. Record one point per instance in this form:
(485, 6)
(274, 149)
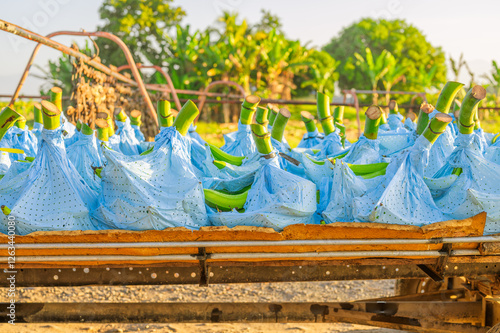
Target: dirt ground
(260, 292)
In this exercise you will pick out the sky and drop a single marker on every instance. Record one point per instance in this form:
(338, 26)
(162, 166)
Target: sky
(457, 26)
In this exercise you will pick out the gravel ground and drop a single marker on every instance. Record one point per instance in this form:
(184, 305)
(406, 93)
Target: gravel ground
(259, 292)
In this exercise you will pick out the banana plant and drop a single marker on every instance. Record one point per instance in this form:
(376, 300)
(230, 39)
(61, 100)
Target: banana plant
(376, 69)
(395, 74)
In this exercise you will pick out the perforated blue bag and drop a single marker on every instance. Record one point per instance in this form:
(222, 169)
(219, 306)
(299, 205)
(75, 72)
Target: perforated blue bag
(84, 155)
(50, 194)
(476, 189)
(402, 196)
(152, 191)
(243, 143)
(129, 145)
(311, 140)
(276, 199)
(364, 151)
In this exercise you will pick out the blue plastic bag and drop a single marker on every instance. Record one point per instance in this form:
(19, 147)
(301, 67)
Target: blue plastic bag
(276, 199)
(153, 191)
(129, 145)
(243, 143)
(402, 196)
(84, 155)
(50, 194)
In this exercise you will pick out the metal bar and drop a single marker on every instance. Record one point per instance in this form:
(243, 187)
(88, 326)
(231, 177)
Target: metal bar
(14, 29)
(257, 255)
(166, 273)
(305, 242)
(428, 316)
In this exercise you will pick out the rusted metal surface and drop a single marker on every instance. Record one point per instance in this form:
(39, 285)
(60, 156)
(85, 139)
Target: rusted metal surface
(446, 311)
(205, 272)
(9, 27)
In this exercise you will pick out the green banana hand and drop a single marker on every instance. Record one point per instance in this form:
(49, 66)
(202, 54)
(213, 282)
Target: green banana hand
(365, 169)
(220, 155)
(225, 201)
(440, 183)
(380, 172)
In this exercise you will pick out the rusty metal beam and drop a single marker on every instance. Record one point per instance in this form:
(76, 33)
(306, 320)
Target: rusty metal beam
(430, 315)
(14, 29)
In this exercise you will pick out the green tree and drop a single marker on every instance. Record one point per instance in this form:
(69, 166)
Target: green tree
(374, 71)
(142, 25)
(404, 41)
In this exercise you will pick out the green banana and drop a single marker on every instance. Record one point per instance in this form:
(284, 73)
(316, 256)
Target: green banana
(220, 155)
(495, 138)
(380, 172)
(224, 201)
(440, 183)
(220, 164)
(150, 150)
(365, 169)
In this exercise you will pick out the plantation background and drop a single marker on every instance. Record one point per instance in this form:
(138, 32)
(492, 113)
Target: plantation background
(368, 54)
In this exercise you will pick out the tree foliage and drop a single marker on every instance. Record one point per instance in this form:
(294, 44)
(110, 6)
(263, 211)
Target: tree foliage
(405, 42)
(142, 26)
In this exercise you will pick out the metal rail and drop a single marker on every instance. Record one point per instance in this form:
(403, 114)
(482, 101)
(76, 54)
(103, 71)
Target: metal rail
(257, 255)
(14, 29)
(308, 242)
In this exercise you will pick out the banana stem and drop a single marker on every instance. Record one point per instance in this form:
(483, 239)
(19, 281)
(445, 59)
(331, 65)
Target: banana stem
(324, 115)
(185, 117)
(251, 102)
(8, 117)
(120, 115)
(383, 119)
(37, 110)
(308, 120)
(135, 118)
(280, 124)
(437, 126)
(261, 116)
(477, 123)
(55, 96)
(102, 129)
(6, 210)
(393, 107)
(423, 117)
(21, 123)
(373, 116)
(51, 115)
(338, 114)
(447, 96)
(262, 139)
(164, 113)
(466, 119)
(273, 112)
